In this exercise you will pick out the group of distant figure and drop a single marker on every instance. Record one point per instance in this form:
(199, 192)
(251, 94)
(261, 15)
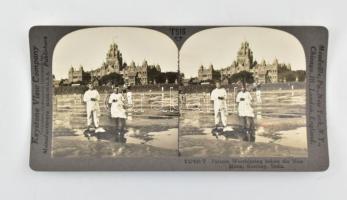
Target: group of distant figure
(118, 101)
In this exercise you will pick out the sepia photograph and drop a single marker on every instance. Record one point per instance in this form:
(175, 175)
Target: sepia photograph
(115, 94)
(158, 99)
(242, 94)
(178, 98)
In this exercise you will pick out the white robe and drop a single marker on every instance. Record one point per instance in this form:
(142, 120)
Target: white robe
(244, 108)
(88, 96)
(93, 109)
(258, 94)
(130, 98)
(117, 102)
(220, 105)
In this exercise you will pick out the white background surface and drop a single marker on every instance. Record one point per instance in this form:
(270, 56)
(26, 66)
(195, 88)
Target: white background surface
(18, 181)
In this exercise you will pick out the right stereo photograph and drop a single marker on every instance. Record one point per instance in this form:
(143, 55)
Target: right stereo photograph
(242, 94)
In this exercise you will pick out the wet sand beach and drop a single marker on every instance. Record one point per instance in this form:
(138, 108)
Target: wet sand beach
(280, 123)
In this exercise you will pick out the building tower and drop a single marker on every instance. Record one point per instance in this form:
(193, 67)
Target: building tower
(245, 56)
(114, 58)
(76, 75)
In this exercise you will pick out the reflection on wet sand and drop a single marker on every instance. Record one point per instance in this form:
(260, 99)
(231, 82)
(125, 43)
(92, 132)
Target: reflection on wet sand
(139, 141)
(163, 139)
(280, 129)
(292, 138)
(295, 138)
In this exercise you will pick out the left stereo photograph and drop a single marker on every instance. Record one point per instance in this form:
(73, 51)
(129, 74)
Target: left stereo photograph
(114, 94)
(96, 106)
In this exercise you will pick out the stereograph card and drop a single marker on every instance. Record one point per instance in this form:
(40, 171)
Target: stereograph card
(188, 98)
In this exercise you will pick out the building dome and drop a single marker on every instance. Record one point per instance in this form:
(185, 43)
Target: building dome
(275, 62)
(144, 63)
(132, 64)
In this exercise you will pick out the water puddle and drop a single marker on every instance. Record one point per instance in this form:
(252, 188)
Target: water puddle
(163, 139)
(294, 138)
(156, 137)
(291, 138)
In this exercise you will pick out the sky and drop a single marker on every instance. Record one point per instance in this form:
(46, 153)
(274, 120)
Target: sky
(88, 47)
(219, 46)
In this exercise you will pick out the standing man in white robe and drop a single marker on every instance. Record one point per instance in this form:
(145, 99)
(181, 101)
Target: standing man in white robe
(258, 93)
(118, 112)
(219, 96)
(129, 97)
(245, 111)
(91, 97)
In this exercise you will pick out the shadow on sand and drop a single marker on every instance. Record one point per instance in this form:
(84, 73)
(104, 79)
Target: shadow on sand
(237, 133)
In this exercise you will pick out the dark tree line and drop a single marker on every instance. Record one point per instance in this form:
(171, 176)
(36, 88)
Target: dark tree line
(243, 76)
(158, 77)
(153, 77)
(292, 76)
(112, 78)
